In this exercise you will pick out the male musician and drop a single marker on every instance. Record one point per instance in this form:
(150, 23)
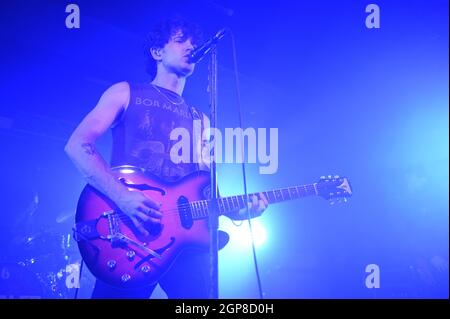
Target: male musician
(141, 117)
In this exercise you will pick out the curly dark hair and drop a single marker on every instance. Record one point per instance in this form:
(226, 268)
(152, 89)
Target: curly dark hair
(161, 34)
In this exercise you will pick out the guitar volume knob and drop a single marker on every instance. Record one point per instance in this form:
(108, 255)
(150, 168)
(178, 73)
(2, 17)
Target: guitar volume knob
(111, 264)
(145, 269)
(131, 254)
(125, 277)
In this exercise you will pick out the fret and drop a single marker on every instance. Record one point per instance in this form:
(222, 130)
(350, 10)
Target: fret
(200, 209)
(197, 209)
(230, 203)
(267, 196)
(225, 204)
(305, 189)
(313, 189)
(195, 204)
(301, 190)
(235, 202)
(271, 196)
(278, 195)
(249, 197)
(241, 201)
(286, 194)
(316, 191)
(293, 192)
(205, 208)
(191, 207)
(220, 205)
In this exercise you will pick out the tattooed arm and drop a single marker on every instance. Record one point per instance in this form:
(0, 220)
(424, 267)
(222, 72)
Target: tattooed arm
(81, 145)
(81, 150)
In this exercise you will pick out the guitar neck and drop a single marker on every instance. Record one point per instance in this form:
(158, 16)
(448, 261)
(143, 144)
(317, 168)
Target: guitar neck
(233, 203)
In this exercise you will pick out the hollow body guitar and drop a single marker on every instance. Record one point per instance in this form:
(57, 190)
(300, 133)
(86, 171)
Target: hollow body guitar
(118, 254)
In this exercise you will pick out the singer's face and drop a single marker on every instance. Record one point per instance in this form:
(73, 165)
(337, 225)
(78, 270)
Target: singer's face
(175, 54)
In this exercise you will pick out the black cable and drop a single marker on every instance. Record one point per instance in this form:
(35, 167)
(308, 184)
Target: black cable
(244, 177)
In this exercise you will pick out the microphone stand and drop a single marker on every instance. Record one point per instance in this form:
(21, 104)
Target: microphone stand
(213, 209)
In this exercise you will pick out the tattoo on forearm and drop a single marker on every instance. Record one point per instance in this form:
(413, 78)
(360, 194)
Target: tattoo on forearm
(88, 148)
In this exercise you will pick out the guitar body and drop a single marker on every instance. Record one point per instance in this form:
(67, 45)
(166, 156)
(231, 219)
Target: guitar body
(117, 253)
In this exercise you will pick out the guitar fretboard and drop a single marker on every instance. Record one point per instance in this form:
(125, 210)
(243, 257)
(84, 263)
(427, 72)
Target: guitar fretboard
(229, 204)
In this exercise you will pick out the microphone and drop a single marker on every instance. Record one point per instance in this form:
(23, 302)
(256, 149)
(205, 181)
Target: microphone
(200, 52)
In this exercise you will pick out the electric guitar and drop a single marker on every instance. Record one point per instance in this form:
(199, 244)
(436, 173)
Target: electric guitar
(118, 254)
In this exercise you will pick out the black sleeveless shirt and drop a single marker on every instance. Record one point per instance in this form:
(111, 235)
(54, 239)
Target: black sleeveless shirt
(141, 137)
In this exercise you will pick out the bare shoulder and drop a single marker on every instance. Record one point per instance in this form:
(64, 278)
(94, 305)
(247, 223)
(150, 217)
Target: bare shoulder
(119, 87)
(114, 100)
(108, 110)
(120, 92)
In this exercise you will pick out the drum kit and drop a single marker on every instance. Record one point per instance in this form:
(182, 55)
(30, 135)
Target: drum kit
(42, 264)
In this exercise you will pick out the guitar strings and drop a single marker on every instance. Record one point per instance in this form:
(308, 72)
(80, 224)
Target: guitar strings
(189, 204)
(123, 216)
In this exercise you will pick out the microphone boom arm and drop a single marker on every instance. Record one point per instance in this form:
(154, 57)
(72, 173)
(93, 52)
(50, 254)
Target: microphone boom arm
(199, 53)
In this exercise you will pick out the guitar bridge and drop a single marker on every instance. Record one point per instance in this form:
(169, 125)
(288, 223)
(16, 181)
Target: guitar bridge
(115, 237)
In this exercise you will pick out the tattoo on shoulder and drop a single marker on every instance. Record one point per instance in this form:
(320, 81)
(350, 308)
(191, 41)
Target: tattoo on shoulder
(88, 148)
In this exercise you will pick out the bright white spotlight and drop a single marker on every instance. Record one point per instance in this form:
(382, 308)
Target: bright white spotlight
(259, 233)
(242, 236)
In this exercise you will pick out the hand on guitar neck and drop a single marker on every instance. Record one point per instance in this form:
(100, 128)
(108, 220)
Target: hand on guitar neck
(257, 205)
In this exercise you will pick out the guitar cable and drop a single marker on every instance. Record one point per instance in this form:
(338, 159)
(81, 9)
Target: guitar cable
(244, 177)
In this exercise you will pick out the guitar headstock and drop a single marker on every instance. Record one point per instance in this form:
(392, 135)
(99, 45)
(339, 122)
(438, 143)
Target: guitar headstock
(334, 188)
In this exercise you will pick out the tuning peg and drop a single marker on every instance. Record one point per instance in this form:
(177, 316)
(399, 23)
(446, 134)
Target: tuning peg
(322, 177)
(336, 176)
(330, 177)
